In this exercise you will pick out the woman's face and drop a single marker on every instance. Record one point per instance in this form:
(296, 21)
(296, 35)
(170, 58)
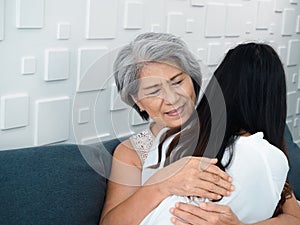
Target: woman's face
(166, 93)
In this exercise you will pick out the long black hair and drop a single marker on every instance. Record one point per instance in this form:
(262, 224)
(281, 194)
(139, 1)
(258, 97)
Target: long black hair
(252, 83)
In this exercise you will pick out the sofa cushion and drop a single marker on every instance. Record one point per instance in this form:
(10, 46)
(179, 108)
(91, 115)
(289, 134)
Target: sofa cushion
(294, 159)
(52, 185)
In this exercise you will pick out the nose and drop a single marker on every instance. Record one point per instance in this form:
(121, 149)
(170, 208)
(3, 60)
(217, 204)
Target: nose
(171, 95)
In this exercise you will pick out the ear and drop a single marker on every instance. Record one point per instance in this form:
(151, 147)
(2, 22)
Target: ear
(138, 103)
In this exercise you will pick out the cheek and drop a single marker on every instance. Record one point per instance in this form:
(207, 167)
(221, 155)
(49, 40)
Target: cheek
(151, 106)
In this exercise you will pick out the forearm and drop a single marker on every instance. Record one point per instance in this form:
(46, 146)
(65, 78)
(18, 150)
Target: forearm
(282, 219)
(134, 209)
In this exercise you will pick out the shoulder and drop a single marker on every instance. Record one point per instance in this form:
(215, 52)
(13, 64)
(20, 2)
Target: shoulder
(126, 153)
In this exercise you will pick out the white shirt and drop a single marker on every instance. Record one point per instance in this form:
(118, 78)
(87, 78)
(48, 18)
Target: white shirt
(259, 171)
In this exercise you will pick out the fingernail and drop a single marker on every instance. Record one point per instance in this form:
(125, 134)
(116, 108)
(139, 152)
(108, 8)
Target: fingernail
(173, 219)
(172, 210)
(230, 179)
(177, 205)
(232, 188)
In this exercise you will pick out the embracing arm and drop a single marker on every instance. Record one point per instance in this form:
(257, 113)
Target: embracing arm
(126, 197)
(214, 214)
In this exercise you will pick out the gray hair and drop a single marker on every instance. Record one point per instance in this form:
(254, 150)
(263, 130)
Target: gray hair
(152, 47)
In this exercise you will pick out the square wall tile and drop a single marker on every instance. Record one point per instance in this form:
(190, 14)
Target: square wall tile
(52, 120)
(14, 111)
(63, 31)
(57, 64)
(28, 65)
(30, 14)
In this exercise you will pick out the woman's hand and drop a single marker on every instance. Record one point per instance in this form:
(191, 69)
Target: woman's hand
(193, 176)
(208, 213)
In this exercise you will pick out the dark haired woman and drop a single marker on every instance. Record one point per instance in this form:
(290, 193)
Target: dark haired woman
(242, 115)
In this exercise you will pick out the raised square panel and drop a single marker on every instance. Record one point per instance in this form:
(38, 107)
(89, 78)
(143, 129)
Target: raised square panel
(83, 115)
(279, 5)
(176, 23)
(14, 111)
(234, 23)
(294, 2)
(136, 119)
(215, 25)
(2, 16)
(101, 19)
(155, 28)
(30, 14)
(215, 53)
(282, 52)
(63, 31)
(298, 106)
(197, 3)
(298, 25)
(93, 69)
(264, 13)
(293, 54)
(202, 54)
(57, 64)
(28, 65)
(52, 120)
(133, 15)
(291, 103)
(288, 22)
(116, 102)
(190, 26)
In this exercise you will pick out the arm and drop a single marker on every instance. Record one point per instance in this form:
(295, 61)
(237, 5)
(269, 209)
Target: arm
(126, 196)
(214, 214)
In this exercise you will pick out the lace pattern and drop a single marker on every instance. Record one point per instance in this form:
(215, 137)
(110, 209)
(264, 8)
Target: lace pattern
(142, 142)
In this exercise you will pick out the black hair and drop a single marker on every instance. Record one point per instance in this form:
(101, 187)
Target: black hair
(252, 81)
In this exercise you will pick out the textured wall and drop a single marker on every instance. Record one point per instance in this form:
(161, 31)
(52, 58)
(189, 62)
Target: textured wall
(56, 55)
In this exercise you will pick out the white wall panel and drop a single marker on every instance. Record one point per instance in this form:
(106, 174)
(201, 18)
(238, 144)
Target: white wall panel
(264, 10)
(215, 25)
(63, 31)
(90, 33)
(294, 1)
(30, 13)
(14, 111)
(279, 5)
(293, 55)
(198, 3)
(90, 62)
(28, 66)
(291, 103)
(235, 21)
(215, 54)
(57, 64)
(52, 120)
(176, 23)
(298, 25)
(101, 19)
(83, 115)
(133, 15)
(116, 102)
(2, 19)
(289, 22)
(282, 52)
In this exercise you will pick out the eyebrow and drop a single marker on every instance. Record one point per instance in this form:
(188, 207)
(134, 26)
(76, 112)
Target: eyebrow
(157, 85)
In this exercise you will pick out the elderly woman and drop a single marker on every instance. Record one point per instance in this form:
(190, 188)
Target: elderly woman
(159, 77)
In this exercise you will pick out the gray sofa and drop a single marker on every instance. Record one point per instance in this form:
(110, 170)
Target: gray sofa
(65, 184)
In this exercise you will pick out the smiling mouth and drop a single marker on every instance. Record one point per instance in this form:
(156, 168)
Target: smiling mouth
(175, 112)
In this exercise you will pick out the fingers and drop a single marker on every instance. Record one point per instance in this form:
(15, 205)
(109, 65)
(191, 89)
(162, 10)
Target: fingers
(186, 214)
(215, 184)
(213, 207)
